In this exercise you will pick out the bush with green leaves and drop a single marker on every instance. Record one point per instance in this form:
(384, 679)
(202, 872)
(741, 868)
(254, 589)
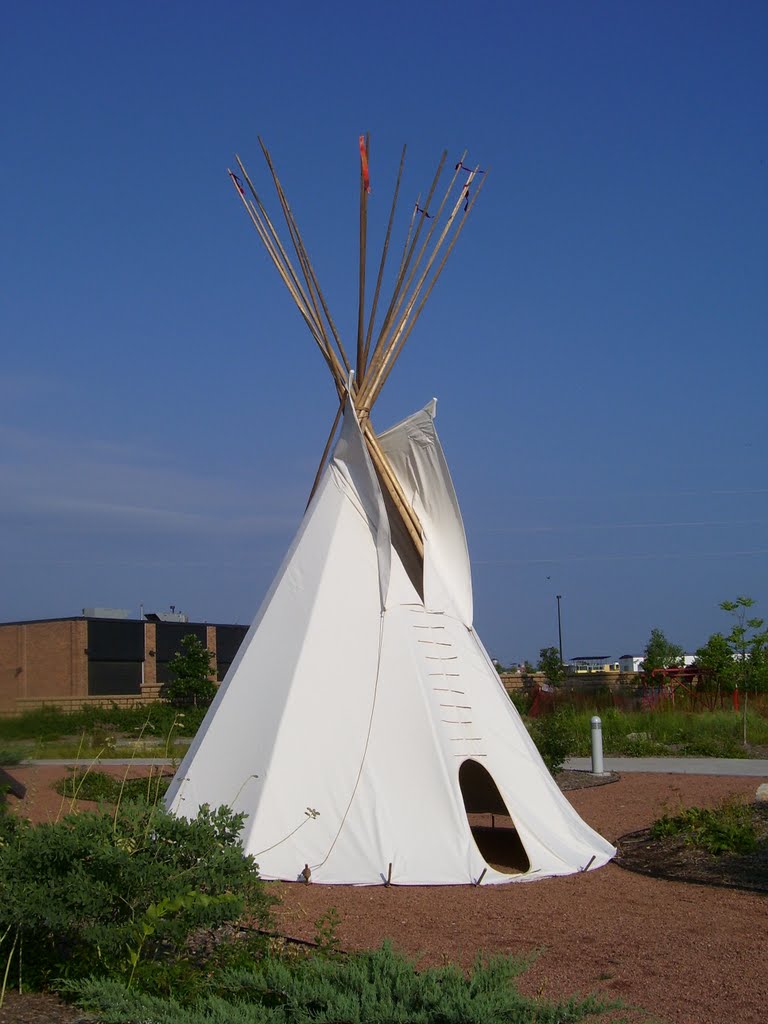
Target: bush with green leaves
(553, 734)
(522, 700)
(80, 896)
(551, 664)
(729, 828)
(192, 667)
(51, 723)
(91, 784)
(378, 987)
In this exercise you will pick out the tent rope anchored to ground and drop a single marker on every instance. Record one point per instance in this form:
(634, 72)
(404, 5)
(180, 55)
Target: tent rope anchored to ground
(362, 728)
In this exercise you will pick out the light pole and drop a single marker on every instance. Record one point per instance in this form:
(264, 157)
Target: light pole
(559, 630)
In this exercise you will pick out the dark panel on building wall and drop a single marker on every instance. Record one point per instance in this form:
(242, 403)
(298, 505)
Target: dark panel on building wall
(163, 674)
(222, 667)
(114, 678)
(170, 635)
(110, 640)
(228, 640)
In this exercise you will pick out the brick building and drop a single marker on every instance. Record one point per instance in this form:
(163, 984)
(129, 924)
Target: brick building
(89, 658)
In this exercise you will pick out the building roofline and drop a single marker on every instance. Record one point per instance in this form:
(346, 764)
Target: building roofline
(99, 618)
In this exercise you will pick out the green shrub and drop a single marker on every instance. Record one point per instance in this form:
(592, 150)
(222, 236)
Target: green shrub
(326, 932)
(89, 784)
(554, 736)
(9, 757)
(521, 699)
(79, 896)
(50, 723)
(726, 829)
(193, 671)
(378, 987)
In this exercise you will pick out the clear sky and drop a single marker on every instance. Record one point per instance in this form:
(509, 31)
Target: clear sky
(597, 343)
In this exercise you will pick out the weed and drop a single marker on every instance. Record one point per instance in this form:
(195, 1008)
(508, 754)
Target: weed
(326, 932)
(726, 829)
(96, 785)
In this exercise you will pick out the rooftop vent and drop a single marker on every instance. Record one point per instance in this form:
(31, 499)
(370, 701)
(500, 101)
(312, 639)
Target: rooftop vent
(172, 616)
(107, 613)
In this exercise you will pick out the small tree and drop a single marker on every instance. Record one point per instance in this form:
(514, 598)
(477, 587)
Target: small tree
(715, 658)
(747, 642)
(758, 662)
(193, 669)
(551, 665)
(661, 653)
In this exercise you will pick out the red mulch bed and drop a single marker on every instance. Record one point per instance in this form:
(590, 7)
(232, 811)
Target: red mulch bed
(688, 954)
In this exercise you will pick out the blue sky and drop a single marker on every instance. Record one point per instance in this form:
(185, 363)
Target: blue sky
(597, 343)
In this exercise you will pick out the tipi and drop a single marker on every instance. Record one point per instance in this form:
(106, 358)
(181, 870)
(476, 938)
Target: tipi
(363, 728)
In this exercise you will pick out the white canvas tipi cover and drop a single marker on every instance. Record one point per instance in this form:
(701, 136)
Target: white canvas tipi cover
(361, 721)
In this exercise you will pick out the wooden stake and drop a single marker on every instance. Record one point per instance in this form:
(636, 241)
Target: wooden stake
(278, 245)
(360, 373)
(303, 258)
(384, 257)
(326, 450)
(396, 348)
(295, 291)
(405, 306)
(404, 267)
(392, 484)
(388, 339)
(302, 253)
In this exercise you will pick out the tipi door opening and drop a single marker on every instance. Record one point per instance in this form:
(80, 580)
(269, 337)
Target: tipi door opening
(490, 822)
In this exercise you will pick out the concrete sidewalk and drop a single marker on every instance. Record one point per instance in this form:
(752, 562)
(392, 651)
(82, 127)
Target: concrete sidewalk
(139, 762)
(752, 768)
(663, 765)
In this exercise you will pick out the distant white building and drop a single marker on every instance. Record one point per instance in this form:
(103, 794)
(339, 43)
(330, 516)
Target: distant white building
(593, 663)
(632, 662)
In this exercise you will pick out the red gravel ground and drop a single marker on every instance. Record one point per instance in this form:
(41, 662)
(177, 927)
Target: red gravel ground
(686, 954)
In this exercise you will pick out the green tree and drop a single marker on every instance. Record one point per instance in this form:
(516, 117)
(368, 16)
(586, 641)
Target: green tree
(715, 658)
(747, 642)
(661, 653)
(759, 668)
(193, 670)
(551, 665)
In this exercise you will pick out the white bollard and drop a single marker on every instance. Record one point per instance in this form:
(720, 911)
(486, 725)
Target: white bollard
(597, 746)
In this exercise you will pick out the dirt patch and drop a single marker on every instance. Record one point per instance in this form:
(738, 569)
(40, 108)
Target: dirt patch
(570, 780)
(38, 1008)
(688, 954)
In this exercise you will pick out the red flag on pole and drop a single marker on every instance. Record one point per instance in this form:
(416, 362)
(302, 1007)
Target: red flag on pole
(364, 164)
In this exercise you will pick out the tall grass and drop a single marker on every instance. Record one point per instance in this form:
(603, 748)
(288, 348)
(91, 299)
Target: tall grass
(124, 732)
(50, 723)
(703, 734)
